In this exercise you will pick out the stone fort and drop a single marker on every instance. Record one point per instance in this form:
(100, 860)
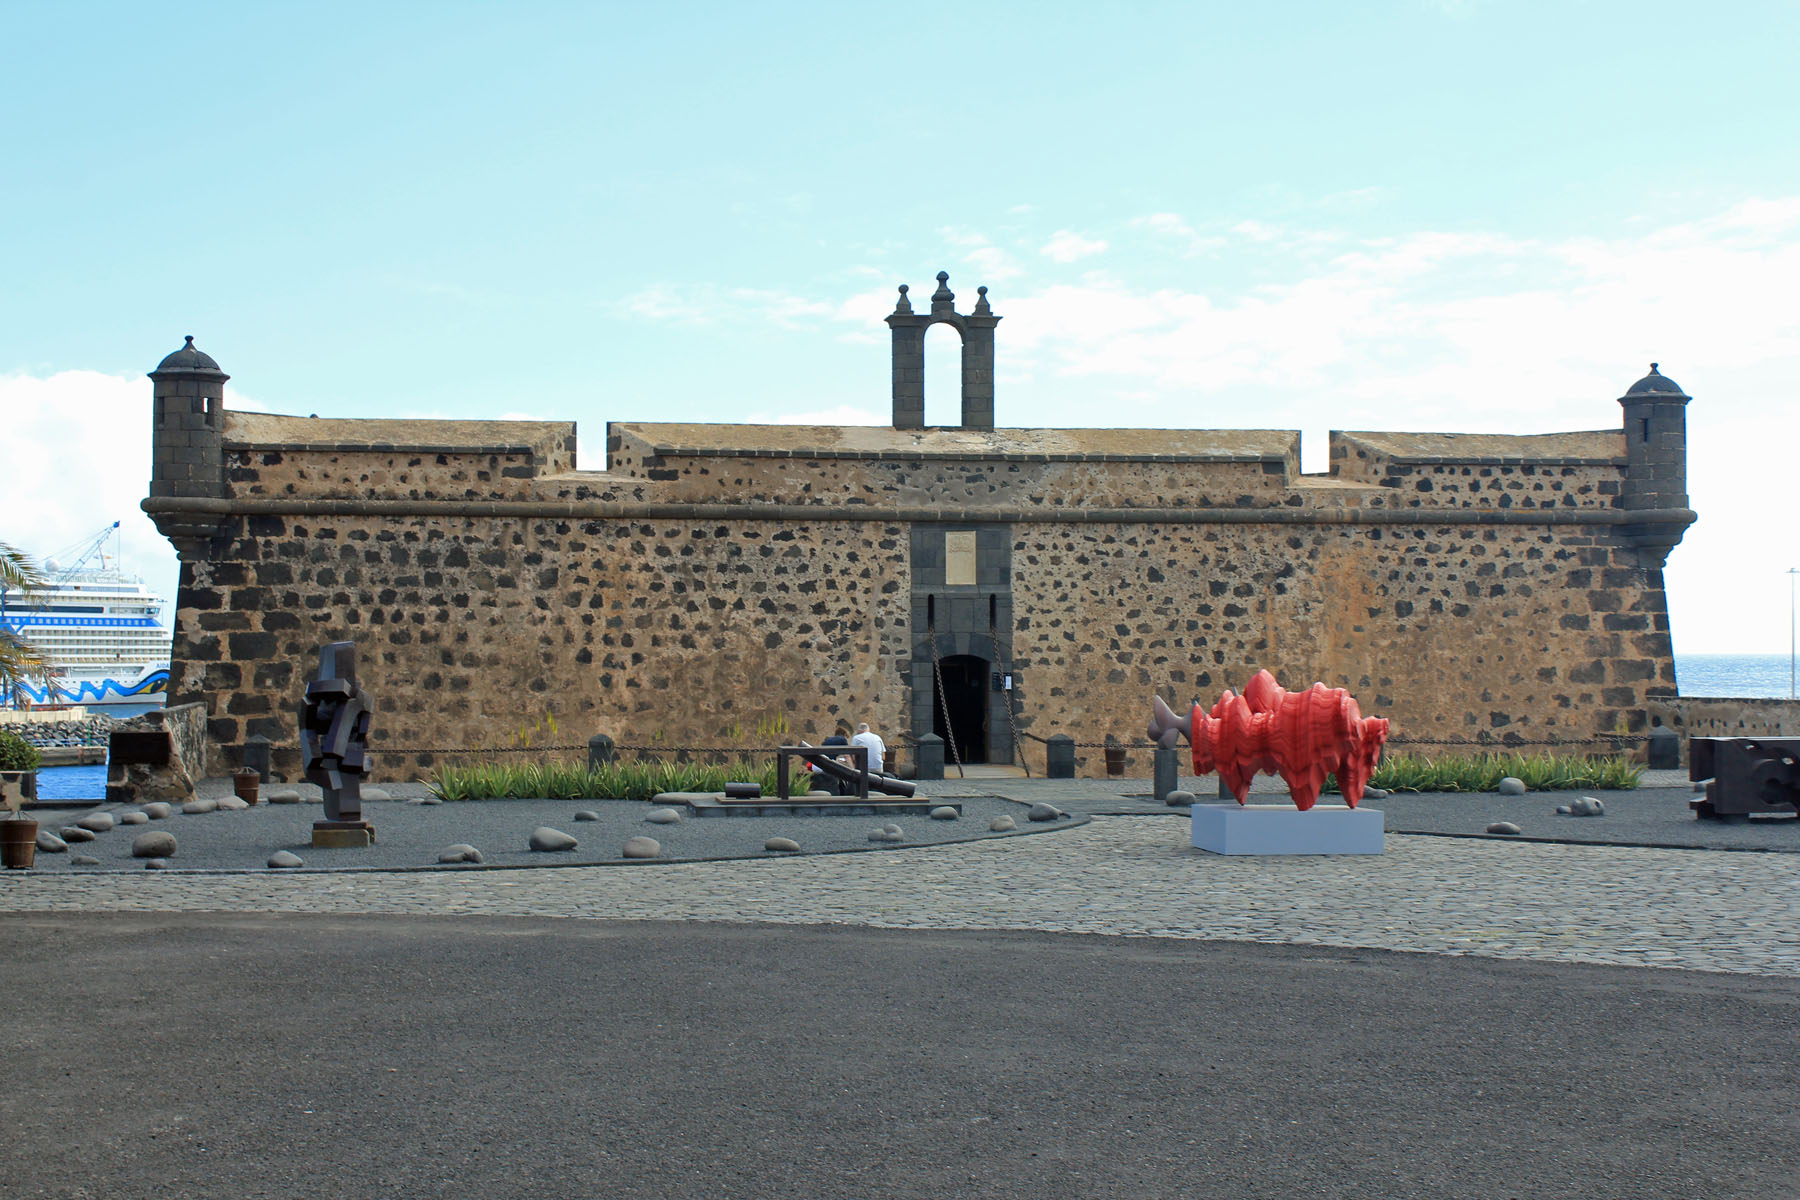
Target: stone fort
(992, 585)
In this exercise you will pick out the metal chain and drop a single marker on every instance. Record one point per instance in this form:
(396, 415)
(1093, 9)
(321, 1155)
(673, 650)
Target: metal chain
(1012, 723)
(937, 674)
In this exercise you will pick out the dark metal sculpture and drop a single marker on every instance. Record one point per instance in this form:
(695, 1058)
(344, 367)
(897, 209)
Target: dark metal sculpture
(334, 738)
(1746, 775)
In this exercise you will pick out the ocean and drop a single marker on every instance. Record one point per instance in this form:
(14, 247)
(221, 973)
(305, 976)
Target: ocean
(1752, 675)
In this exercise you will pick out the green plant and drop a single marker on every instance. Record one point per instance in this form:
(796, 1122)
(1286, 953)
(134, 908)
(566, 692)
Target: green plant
(635, 780)
(17, 754)
(20, 661)
(1404, 772)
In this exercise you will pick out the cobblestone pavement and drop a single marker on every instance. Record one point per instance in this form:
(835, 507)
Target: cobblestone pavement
(1132, 876)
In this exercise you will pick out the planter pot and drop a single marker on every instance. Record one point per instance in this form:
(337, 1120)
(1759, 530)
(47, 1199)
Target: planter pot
(244, 783)
(18, 843)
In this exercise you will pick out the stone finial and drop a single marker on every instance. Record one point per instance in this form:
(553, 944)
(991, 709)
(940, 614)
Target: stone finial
(904, 306)
(981, 304)
(943, 300)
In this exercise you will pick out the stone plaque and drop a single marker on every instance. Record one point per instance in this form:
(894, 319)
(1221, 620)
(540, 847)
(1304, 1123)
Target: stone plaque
(959, 559)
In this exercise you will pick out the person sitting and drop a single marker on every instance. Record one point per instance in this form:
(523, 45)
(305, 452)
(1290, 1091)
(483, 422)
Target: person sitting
(877, 748)
(830, 783)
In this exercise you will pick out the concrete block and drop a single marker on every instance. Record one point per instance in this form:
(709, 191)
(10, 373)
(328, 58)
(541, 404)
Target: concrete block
(1283, 829)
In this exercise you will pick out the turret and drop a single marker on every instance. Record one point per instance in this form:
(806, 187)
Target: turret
(187, 446)
(188, 425)
(1655, 466)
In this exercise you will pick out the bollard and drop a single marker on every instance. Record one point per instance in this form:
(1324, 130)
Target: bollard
(1167, 774)
(1059, 756)
(1665, 749)
(256, 756)
(600, 751)
(1115, 756)
(929, 763)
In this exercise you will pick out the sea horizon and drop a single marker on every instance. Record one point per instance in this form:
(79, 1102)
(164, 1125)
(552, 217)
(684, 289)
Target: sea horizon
(1744, 676)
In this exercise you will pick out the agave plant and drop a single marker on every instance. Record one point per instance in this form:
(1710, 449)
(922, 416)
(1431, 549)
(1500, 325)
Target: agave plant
(20, 661)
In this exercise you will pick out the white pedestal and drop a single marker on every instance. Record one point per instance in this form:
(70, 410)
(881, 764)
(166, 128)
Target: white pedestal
(1284, 829)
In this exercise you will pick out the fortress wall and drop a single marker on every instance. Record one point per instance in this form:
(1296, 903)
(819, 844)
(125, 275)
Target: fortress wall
(965, 483)
(471, 630)
(1533, 632)
(1733, 716)
(487, 586)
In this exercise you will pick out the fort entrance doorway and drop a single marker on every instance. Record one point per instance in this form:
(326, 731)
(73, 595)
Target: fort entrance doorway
(960, 709)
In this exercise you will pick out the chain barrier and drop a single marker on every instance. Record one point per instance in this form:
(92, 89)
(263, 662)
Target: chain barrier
(1012, 722)
(937, 674)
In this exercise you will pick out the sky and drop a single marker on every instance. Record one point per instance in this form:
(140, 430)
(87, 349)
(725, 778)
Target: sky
(1467, 215)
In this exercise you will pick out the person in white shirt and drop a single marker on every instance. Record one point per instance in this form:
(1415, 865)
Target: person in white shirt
(877, 747)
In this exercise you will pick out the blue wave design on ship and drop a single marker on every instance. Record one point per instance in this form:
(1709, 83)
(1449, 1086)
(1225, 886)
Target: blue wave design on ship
(106, 691)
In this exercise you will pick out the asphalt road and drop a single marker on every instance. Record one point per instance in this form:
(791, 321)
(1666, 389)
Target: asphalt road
(280, 1056)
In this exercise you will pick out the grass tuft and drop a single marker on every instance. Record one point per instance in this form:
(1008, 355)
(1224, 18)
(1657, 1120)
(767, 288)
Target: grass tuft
(636, 780)
(1402, 772)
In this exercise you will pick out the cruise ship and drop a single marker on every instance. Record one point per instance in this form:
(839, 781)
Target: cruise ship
(98, 627)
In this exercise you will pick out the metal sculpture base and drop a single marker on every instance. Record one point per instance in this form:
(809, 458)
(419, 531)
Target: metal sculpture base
(1284, 829)
(342, 835)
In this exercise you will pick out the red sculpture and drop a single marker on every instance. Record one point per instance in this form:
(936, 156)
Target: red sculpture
(1301, 736)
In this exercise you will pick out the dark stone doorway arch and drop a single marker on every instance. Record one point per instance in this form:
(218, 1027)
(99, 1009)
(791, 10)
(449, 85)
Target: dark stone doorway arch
(964, 699)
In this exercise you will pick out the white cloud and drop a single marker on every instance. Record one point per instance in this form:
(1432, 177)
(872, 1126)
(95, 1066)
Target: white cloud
(1067, 246)
(1172, 227)
(88, 465)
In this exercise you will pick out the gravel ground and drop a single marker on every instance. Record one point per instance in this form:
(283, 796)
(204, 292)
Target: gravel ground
(409, 836)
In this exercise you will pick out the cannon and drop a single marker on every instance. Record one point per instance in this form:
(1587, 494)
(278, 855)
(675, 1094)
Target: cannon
(1744, 776)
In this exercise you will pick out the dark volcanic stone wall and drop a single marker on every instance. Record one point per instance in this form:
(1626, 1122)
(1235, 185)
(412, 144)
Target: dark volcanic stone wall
(1517, 633)
(707, 596)
(471, 631)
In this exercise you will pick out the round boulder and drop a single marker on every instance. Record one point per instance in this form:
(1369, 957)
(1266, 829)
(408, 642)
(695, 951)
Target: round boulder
(75, 833)
(83, 860)
(548, 839)
(1511, 787)
(198, 805)
(663, 816)
(784, 845)
(285, 860)
(426, 801)
(158, 843)
(375, 793)
(1002, 823)
(133, 818)
(944, 812)
(587, 815)
(461, 852)
(1179, 799)
(641, 847)
(282, 796)
(1045, 812)
(49, 843)
(1505, 827)
(159, 810)
(156, 864)
(232, 804)
(98, 822)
